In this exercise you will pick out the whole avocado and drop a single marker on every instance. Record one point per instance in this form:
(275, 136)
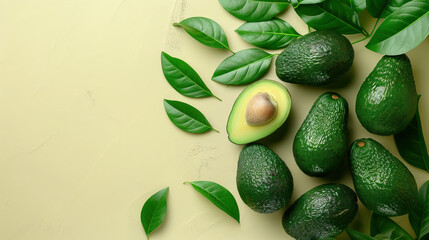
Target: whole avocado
(320, 145)
(264, 182)
(387, 100)
(382, 182)
(321, 213)
(317, 58)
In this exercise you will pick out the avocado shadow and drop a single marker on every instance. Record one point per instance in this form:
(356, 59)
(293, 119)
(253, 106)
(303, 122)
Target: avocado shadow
(342, 80)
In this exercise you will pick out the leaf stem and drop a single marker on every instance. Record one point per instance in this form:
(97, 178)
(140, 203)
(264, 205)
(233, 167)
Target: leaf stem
(217, 98)
(309, 29)
(215, 130)
(366, 33)
(373, 29)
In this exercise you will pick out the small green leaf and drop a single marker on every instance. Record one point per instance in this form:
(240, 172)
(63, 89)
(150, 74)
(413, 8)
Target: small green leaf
(154, 210)
(411, 144)
(272, 34)
(332, 15)
(243, 67)
(376, 7)
(219, 196)
(358, 5)
(205, 31)
(382, 227)
(419, 216)
(183, 78)
(402, 30)
(355, 235)
(392, 6)
(254, 11)
(186, 117)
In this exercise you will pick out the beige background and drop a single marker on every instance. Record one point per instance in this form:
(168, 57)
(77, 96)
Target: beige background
(85, 139)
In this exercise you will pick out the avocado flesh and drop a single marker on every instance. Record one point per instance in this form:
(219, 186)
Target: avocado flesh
(382, 182)
(320, 145)
(317, 58)
(387, 100)
(264, 182)
(239, 131)
(321, 213)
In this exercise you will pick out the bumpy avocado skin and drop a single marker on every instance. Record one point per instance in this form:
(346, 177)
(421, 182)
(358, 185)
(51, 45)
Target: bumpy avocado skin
(317, 58)
(320, 145)
(382, 182)
(387, 99)
(264, 182)
(321, 213)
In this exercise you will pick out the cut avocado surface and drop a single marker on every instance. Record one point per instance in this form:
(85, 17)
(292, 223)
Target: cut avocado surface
(240, 131)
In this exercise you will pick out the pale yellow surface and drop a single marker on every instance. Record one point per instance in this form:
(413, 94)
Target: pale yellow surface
(85, 139)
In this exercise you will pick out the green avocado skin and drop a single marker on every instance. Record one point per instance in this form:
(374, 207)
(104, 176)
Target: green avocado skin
(321, 213)
(316, 58)
(387, 100)
(264, 182)
(382, 182)
(320, 145)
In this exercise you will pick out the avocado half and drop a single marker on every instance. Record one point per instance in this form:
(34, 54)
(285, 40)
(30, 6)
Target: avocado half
(239, 130)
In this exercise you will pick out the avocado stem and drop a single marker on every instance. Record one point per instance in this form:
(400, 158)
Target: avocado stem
(361, 144)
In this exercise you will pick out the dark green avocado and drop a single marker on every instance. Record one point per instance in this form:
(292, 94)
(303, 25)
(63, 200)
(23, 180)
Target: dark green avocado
(264, 182)
(317, 58)
(321, 213)
(387, 100)
(320, 145)
(382, 182)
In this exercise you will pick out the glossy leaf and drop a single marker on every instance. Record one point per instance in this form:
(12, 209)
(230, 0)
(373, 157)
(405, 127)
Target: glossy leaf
(205, 31)
(219, 196)
(355, 235)
(376, 7)
(272, 34)
(154, 211)
(186, 117)
(402, 30)
(243, 67)
(384, 228)
(183, 78)
(296, 3)
(411, 144)
(332, 15)
(358, 5)
(419, 216)
(254, 11)
(392, 6)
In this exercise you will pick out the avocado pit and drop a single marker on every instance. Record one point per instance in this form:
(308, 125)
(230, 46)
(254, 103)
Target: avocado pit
(261, 109)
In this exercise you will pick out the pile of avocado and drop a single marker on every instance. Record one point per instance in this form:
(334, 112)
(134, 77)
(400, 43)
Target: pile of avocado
(385, 105)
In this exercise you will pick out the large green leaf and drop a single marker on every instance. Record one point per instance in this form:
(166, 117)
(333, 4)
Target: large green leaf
(205, 31)
(355, 235)
(254, 11)
(296, 3)
(411, 144)
(154, 211)
(332, 15)
(376, 7)
(183, 77)
(219, 196)
(272, 34)
(243, 67)
(392, 6)
(358, 5)
(382, 227)
(186, 117)
(402, 30)
(419, 216)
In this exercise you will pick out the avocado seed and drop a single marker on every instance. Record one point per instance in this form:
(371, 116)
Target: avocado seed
(261, 109)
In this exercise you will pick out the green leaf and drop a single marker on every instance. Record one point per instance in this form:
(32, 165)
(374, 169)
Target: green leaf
(355, 235)
(392, 6)
(419, 216)
(402, 30)
(376, 7)
(332, 15)
(154, 210)
(411, 143)
(384, 228)
(272, 34)
(358, 5)
(219, 196)
(186, 117)
(183, 78)
(296, 3)
(254, 11)
(243, 67)
(205, 31)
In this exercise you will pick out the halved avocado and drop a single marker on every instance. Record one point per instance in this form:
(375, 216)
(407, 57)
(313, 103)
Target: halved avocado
(241, 129)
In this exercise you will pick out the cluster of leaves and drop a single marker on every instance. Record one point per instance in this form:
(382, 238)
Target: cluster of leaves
(384, 228)
(155, 208)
